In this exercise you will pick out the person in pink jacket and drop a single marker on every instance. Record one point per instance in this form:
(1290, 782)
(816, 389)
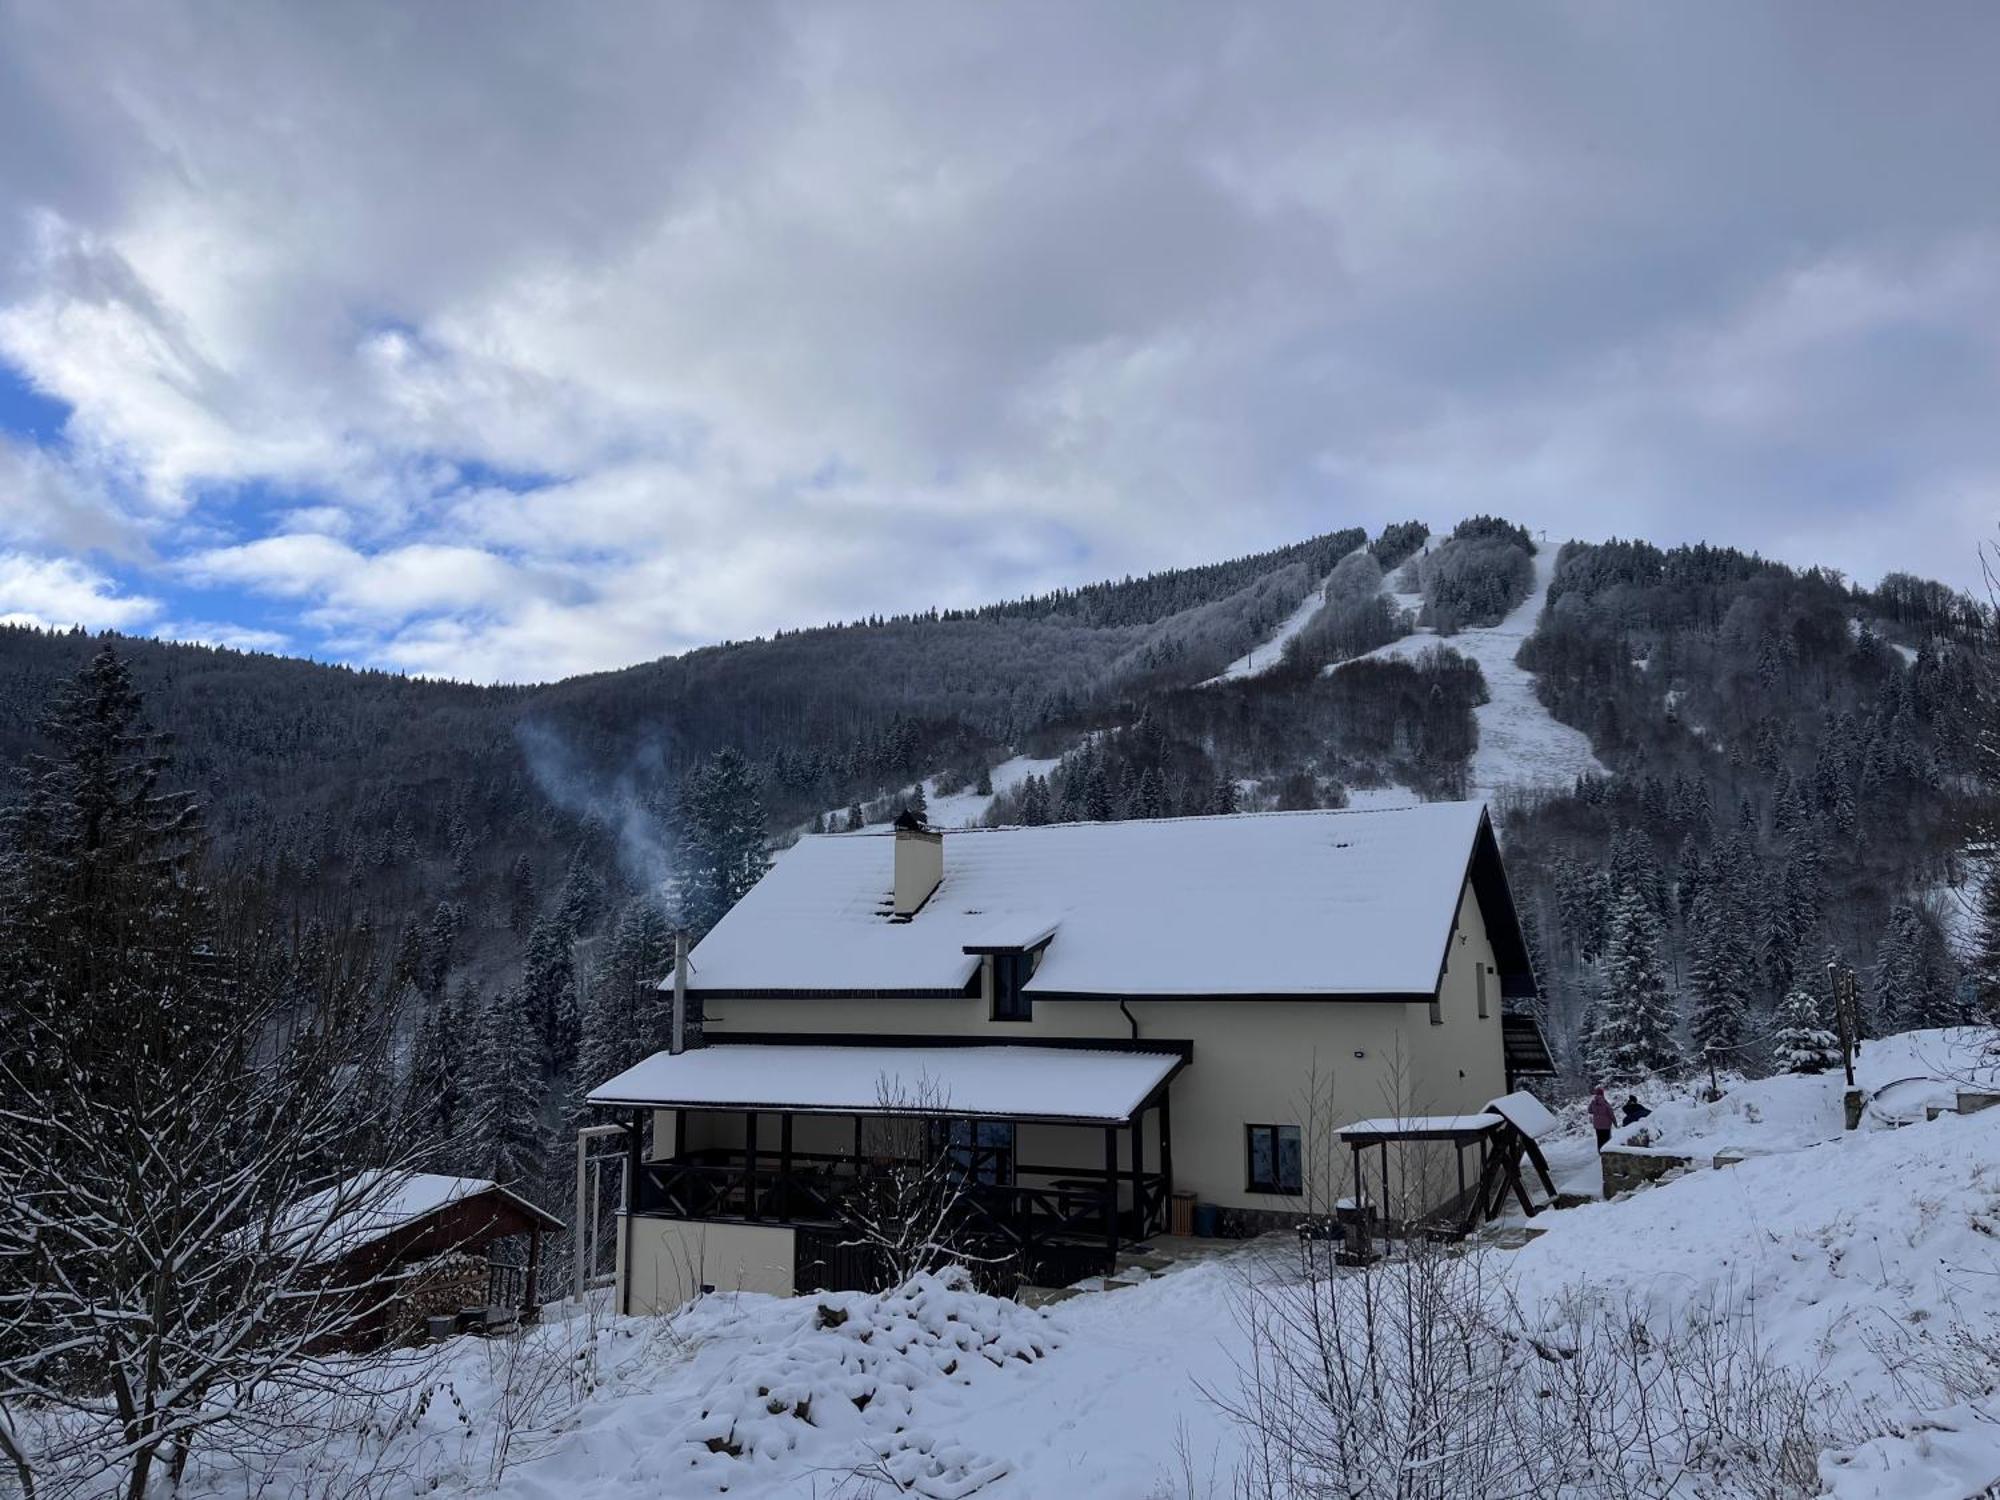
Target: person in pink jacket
(1601, 1117)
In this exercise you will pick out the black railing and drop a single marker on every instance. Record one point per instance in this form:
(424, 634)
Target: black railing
(506, 1286)
(1066, 1204)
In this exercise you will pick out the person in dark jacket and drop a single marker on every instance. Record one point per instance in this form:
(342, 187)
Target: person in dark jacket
(1601, 1117)
(1634, 1111)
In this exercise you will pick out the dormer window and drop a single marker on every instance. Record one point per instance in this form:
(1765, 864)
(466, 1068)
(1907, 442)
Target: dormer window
(1011, 1001)
(1011, 950)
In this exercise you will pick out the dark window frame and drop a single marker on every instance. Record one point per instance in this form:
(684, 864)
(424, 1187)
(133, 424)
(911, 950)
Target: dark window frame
(1011, 1000)
(1276, 1186)
(1479, 973)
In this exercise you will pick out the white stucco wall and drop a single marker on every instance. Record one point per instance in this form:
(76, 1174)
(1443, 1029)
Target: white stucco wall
(664, 1262)
(1315, 1064)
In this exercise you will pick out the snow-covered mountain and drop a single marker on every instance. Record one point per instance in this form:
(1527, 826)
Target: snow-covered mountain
(1804, 745)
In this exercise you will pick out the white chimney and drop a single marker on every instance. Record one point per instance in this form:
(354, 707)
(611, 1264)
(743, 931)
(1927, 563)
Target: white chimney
(919, 863)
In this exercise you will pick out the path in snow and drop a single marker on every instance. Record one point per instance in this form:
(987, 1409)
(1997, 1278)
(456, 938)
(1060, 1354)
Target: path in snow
(1519, 744)
(1260, 659)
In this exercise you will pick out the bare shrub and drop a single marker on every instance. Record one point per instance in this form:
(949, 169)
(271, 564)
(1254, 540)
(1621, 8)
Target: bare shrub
(1420, 1378)
(1422, 1375)
(909, 1206)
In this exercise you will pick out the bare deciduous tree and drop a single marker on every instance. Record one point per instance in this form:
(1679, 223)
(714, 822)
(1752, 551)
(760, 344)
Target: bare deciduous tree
(909, 1206)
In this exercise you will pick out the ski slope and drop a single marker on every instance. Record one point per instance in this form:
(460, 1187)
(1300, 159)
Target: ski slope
(1261, 658)
(1520, 745)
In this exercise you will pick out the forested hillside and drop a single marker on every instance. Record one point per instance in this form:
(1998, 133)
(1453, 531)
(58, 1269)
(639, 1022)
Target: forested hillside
(1791, 772)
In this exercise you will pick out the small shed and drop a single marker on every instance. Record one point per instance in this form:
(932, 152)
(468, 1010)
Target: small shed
(417, 1250)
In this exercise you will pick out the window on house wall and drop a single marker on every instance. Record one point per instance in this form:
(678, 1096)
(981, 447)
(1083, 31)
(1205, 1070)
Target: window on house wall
(1010, 998)
(1276, 1155)
(1479, 980)
(984, 1149)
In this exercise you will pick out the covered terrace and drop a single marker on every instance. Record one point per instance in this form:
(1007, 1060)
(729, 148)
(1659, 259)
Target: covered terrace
(1059, 1153)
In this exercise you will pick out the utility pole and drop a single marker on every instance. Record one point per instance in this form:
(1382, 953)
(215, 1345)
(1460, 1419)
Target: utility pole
(1846, 1013)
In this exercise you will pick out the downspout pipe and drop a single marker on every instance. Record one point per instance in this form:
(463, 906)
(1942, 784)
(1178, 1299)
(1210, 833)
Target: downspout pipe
(1131, 1019)
(678, 1043)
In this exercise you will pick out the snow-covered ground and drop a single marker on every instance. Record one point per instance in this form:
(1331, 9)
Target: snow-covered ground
(1381, 798)
(961, 809)
(1520, 745)
(967, 809)
(1862, 1260)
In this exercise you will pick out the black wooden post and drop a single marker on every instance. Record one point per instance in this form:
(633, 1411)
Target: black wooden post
(1385, 1188)
(784, 1164)
(1141, 1222)
(750, 1164)
(1167, 1142)
(680, 1134)
(531, 1297)
(634, 1159)
(1111, 1197)
(857, 1145)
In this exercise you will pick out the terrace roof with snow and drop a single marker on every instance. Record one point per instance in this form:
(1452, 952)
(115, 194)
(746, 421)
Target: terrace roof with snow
(1302, 905)
(1093, 1085)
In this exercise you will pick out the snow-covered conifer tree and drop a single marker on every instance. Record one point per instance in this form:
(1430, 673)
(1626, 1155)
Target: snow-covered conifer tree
(1803, 1043)
(722, 837)
(625, 1015)
(1635, 1034)
(1916, 979)
(508, 1092)
(1719, 950)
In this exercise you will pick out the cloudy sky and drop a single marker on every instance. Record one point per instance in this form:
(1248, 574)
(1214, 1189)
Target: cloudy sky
(510, 341)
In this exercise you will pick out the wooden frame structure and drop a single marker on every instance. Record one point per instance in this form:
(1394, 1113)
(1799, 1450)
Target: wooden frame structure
(1503, 1148)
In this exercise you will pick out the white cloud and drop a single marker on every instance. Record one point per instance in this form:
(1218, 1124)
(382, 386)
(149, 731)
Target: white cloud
(56, 593)
(222, 633)
(647, 328)
(386, 585)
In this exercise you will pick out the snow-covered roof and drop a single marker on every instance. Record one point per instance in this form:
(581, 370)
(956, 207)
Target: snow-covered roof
(1416, 1125)
(1014, 1083)
(1525, 1113)
(1303, 903)
(372, 1205)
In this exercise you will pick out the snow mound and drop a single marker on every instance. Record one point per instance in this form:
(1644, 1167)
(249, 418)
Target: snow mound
(1902, 1075)
(1786, 1113)
(836, 1382)
(1876, 1234)
(1914, 1071)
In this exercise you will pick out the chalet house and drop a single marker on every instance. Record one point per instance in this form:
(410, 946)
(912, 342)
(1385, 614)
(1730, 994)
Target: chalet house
(1092, 1017)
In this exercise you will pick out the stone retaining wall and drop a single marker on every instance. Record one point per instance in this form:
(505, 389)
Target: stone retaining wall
(1626, 1170)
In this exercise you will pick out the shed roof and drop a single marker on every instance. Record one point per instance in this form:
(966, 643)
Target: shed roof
(377, 1203)
(1300, 905)
(1012, 1083)
(1420, 1127)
